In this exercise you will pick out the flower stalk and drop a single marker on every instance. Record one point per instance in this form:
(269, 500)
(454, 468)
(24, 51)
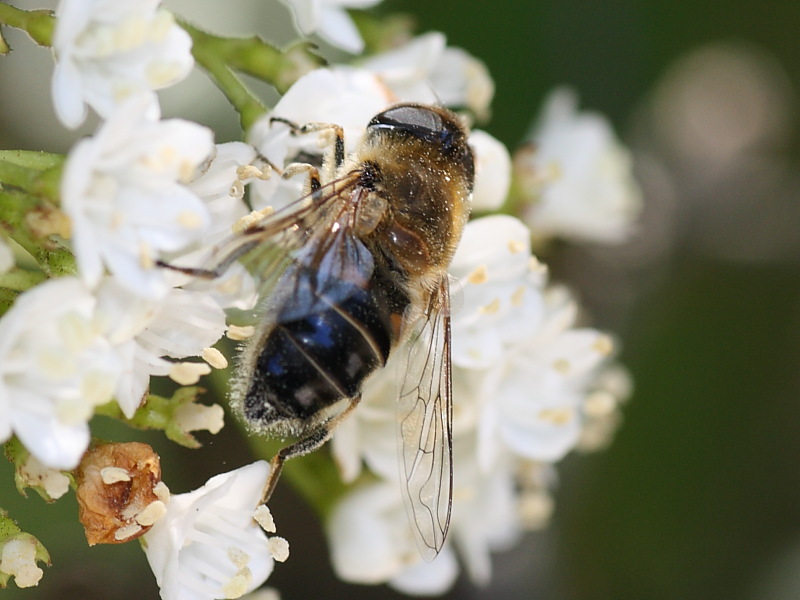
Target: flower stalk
(20, 280)
(34, 172)
(210, 52)
(221, 57)
(7, 298)
(32, 159)
(39, 24)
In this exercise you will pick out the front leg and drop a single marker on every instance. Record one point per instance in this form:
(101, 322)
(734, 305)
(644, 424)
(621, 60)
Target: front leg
(335, 157)
(314, 182)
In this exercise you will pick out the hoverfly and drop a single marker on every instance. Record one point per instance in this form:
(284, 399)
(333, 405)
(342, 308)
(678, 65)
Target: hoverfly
(353, 271)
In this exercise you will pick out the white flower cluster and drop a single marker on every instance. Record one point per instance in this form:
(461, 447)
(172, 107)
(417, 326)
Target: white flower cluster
(73, 343)
(139, 191)
(528, 383)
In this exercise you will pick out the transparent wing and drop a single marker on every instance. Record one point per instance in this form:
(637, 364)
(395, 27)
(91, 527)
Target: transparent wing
(425, 427)
(306, 251)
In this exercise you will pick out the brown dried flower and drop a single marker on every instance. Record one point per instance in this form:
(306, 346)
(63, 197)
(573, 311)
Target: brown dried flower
(120, 494)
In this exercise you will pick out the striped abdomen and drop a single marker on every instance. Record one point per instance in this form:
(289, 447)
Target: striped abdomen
(309, 363)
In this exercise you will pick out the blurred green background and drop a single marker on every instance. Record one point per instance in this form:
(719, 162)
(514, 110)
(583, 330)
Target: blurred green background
(699, 496)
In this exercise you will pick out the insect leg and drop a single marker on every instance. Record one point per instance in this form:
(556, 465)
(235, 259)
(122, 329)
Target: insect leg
(338, 146)
(314, 440)
(293, 169)
(238, 248)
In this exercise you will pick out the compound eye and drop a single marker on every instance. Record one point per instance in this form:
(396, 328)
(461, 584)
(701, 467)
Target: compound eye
(419, 121)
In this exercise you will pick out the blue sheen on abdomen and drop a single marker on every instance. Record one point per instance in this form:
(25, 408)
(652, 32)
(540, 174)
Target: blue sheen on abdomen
(314, 361)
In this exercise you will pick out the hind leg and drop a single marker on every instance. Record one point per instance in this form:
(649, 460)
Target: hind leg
(313, 441)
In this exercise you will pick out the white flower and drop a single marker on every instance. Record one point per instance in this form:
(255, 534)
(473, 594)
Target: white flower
(221, 187)
(181, 324)
(492, 171)
(537, 394)
(18, 558)
(125, 193)
(602, 407)
(427, 70)
(329, 19)
(109, 50)
(55, 367)
(501, 285)
(577, 175)
(371, 542)
(369, 434)
(208, 544)
(485, 509)
(428, 578)
(343, 96)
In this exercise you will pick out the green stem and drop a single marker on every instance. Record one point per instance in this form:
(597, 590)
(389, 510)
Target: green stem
(109, 409)
(222, 57)
(33, 159)
(21, 279)
(316, 478)
(54, 260)
(37, 173)
(211, 52)
(14, 204)
(7, 299)
(39, 24)
(17, 176)
(277, 67)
